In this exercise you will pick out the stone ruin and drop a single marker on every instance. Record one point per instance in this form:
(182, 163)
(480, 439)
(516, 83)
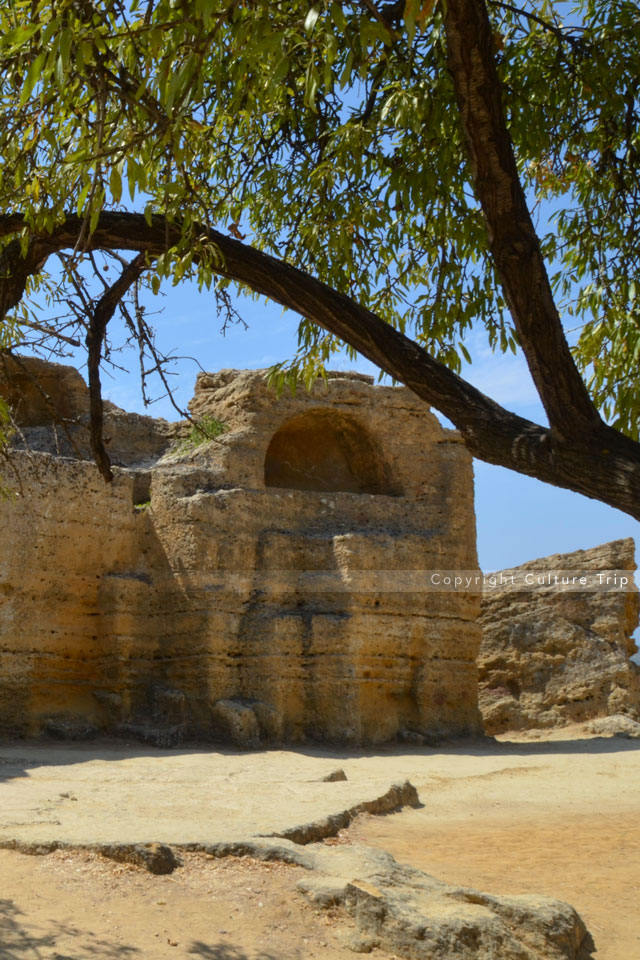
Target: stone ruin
(237, 590)
(227, 590)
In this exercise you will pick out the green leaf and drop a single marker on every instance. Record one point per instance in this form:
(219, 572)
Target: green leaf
(465, 353)
(12, 40)
(338, 17)
(33, 75)
(66, 41)
(115, 184)
(82, 198)
(311, 19)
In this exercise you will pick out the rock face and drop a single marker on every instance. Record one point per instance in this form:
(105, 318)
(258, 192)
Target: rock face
(50, 407)
(553, 655)
(251, 589)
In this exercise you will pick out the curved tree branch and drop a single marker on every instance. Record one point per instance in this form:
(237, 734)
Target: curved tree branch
(595, 460)
(104, 310)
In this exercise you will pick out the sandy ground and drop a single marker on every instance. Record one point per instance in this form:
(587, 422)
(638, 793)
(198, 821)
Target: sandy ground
(558, 817)
(80, 906)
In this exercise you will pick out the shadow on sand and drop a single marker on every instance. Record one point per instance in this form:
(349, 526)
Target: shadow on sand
(17, 758)
(21, 941)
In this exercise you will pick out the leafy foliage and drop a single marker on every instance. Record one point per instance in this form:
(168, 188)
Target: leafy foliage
(328, 135)
(201, 431)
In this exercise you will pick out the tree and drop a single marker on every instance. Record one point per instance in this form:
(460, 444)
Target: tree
(369, 165)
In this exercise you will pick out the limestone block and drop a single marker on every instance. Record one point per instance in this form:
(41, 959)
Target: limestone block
(236, 722)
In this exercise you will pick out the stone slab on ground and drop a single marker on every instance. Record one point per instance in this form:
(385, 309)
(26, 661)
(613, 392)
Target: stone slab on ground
(85, 795)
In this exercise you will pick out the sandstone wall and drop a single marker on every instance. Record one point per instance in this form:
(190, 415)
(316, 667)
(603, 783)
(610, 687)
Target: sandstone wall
(553, 656)
(235, 608)
(49, 403)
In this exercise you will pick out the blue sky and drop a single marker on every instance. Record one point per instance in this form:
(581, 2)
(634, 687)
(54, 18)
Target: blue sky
(518, 518)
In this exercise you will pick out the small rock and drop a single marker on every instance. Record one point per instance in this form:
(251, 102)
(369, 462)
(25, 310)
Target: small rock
(334, 776)
(157, 858)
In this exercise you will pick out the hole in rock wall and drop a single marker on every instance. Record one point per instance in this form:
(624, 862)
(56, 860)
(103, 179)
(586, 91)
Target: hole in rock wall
(326, 451)
(141, 487)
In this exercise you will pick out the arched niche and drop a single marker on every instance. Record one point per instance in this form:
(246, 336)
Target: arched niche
(326, 451)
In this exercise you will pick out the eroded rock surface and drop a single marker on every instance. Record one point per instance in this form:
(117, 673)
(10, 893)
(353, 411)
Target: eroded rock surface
(404, 910)
(265, 586)
(50, 407)
(552, 656)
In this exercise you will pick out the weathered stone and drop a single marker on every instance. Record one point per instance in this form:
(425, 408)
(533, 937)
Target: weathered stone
(50, 405)
(157, 858)
(279, 568)
(236, 723)
(413, 915)
(616, 726)
(553, 655)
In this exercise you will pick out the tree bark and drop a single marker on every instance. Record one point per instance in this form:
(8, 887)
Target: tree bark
(98, 323)
(512, 238)
(595, 460)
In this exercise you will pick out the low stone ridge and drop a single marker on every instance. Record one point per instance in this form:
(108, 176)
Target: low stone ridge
(552, 656)
(397, 796)
(251, 589)
(407, 912)
(396, 908)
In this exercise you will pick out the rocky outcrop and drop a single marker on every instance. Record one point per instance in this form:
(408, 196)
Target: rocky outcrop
(260, 586)
(557, 653)
(410, 913)
(40, 393)
(49, 404)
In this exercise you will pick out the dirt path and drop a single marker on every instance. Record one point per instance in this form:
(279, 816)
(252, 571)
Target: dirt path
(81, 906)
